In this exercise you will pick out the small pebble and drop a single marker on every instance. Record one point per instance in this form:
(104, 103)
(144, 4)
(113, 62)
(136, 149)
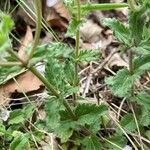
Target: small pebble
(51, 3)
(127, 147)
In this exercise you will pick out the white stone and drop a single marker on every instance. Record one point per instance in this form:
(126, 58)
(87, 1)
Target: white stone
(51, 3)
(127, 147)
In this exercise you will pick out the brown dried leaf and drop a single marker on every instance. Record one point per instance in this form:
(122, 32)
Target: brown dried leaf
(26, 82)
(57, 16)
(116, 60)
(28, 38)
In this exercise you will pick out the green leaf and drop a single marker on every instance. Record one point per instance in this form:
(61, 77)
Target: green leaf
(143, 48)
(73, 27)
(121, 84)
(121, 32)
(88, 55)
(136, 28)
(145, 117)
(58, 120)
(20, 115)
(16, 117)
(56, 75)
(52, 108)
(92, 143)
(88, 114)
(2, 129)
(20, 142)
(147, 133)
(52, 50)
(141, 64)
(65, 130)
(54, 72)
(69, 71)
(28, 110)
(8, 73)
(116, 140)
(143, 98)
(6, 25)
(128, 123)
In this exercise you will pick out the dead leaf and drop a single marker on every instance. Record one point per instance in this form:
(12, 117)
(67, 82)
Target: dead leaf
(116, 60)
(28, 38)
(25, 14)
(57, 16)
(26, 82)
(93, 35)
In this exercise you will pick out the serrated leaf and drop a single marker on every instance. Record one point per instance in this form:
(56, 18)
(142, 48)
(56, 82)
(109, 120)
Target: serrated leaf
(20, 115)
(16, 117)
(137, 29)
(52, 108)
(143, 48)
(6, 24)
(88, 114)
(19, 142)
(65, 130)
(52, 50)
(28, 110)
(128, 123)
(92, 143)
(9, 72)
(141, 64)
(54, 72)
(88, 55)
(69, 70)
(121, 84)
(121, 31)
(145, 117)
(117, 140)
(73, 27)
(59, 121)
(143, 98)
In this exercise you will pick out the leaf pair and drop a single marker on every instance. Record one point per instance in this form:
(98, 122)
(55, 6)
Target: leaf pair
(59, 121)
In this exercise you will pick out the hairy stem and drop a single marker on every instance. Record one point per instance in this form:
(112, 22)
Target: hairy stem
(38, 27)
(105, 6)
(10, 64)
(131, 69)
(77, 48)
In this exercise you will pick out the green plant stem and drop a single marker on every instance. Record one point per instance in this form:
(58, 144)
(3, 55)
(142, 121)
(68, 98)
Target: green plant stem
(105, 6)
(10, 64)
(38, 27)
(77, 48)
(131, 69)
(44, 80)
